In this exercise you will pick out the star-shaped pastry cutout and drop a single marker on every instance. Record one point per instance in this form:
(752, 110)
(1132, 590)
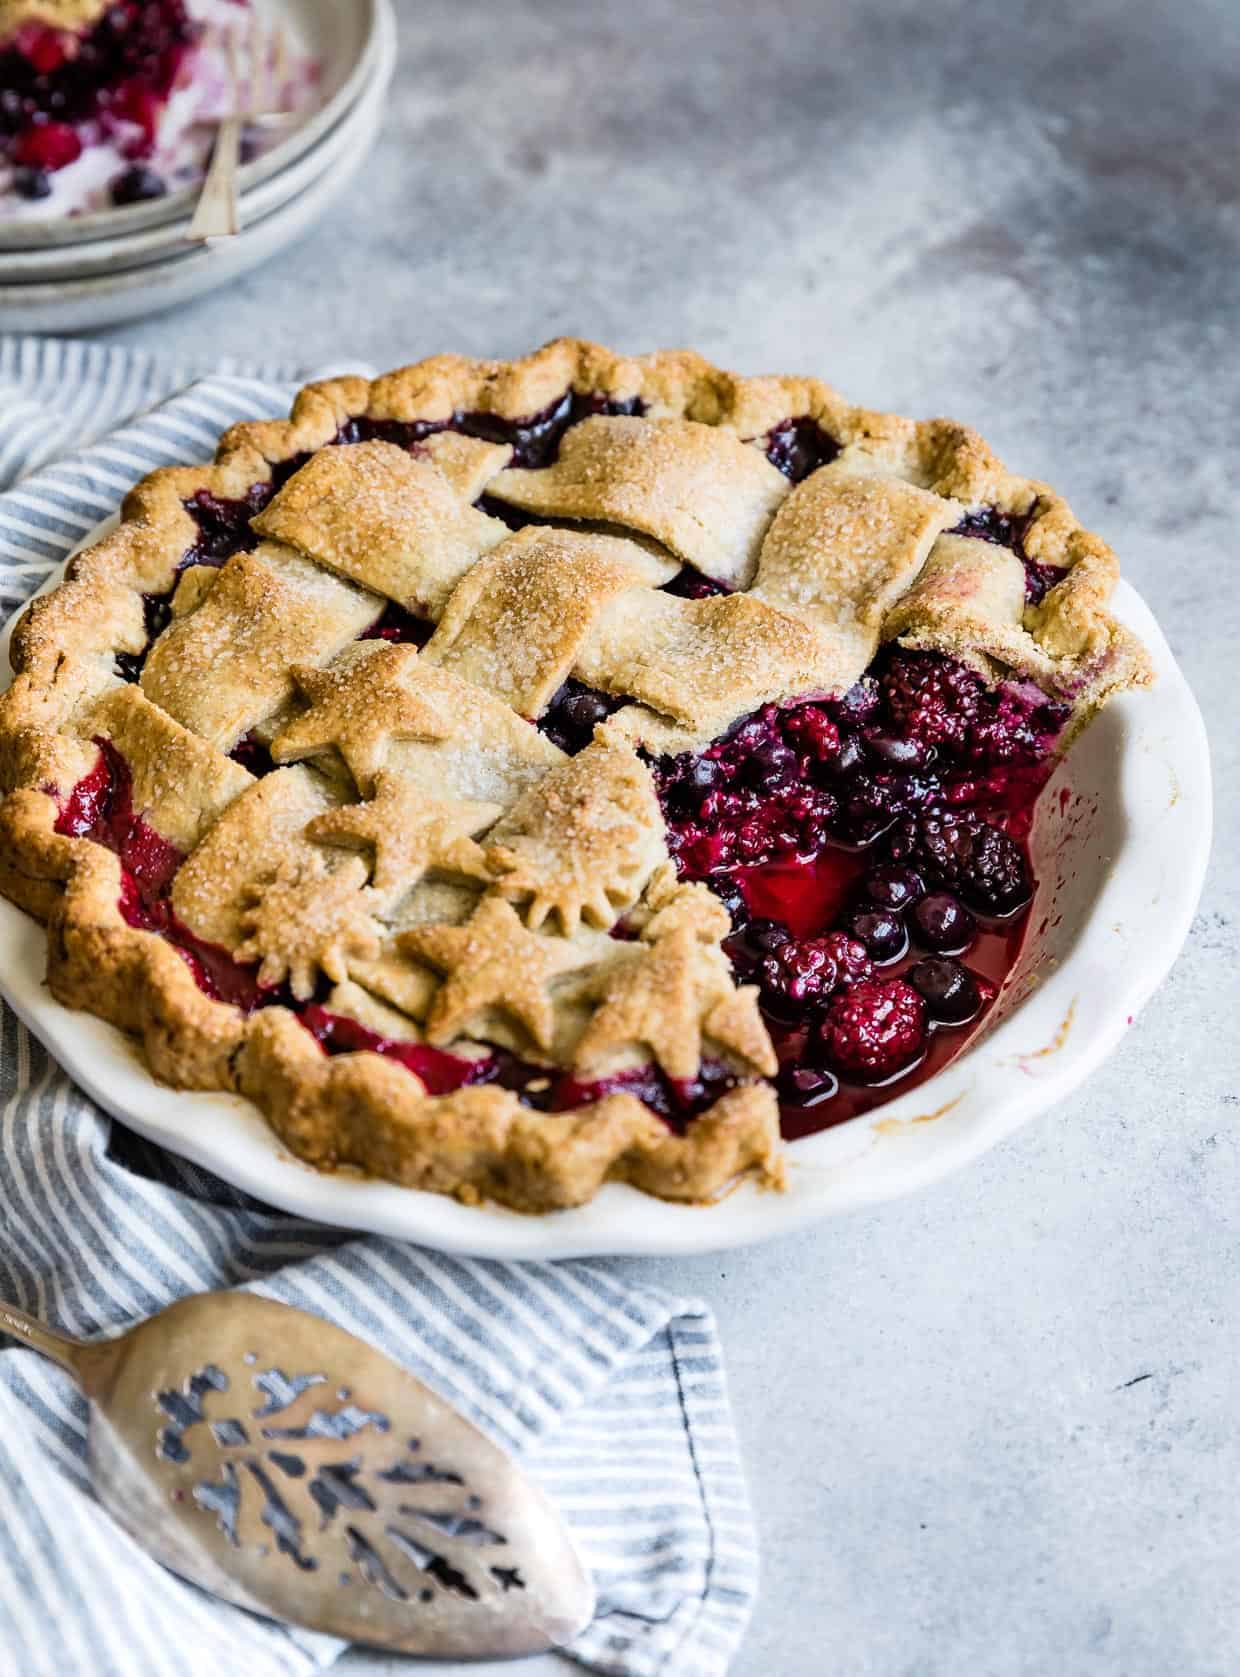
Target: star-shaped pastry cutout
(359, 707)
(490, 962)
(581, 842)
(664, 999)
(309, 920)
(410, 834)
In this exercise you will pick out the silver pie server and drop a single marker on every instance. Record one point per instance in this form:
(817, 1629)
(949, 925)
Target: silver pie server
(288, 1467)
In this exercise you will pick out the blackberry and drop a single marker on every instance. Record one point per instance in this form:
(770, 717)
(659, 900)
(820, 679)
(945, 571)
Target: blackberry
(958, 848)
(799, 974)
(931, 699)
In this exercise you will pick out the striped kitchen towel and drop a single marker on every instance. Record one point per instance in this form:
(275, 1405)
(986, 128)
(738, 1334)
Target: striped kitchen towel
(612, 1393)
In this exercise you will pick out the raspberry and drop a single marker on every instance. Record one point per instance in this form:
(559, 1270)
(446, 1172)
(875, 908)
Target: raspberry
(47, 145)
(961, 850)
(874, 1030)
(810, 730)
(44, 48)
(931, 700)
(1019, 726)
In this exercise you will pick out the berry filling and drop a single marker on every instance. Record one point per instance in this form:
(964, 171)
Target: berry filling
(575, 711)
(59, 90)
(535, 440)
(799, 446)
(862, 845)
(1008, 529)
(399, 627)
(100, 808)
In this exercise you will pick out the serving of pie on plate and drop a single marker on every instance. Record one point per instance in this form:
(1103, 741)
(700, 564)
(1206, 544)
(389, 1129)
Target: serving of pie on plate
(519, 776)
(114, 102)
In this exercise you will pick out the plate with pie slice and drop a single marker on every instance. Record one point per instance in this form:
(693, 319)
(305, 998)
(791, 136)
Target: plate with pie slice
(591, 804)
(108, 110)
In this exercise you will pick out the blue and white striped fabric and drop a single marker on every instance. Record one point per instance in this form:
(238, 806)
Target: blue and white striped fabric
(612, 1393)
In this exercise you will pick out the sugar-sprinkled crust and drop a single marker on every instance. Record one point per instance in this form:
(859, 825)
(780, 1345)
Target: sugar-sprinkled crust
(77, 15)
(431, 852)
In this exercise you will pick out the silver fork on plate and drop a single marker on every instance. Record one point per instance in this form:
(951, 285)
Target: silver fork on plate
(257, 58)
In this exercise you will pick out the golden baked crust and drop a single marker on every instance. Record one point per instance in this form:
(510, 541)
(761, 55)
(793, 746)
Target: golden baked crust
(425, 848)
(76, 15)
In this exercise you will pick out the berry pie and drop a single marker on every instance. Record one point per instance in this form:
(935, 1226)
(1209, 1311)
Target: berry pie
(114, 101)
(519, 776)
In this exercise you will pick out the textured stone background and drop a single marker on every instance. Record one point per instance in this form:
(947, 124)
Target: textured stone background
(992, 1429)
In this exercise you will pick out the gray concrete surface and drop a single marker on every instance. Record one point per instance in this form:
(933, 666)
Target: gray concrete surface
(992, 1430)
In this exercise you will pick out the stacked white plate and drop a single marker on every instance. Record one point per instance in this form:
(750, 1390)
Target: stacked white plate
(101, 269)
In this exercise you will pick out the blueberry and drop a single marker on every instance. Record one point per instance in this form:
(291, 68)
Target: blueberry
(881, 932)
(851, 756)
(764, 934)
(138, 185)
(947, 988)
(806, 1085)
(731, 896)
(758, 938)
(893, 887)
(895, 751)
(703, 775)
(772, 767)
(859, 701)
(32, 183)
(584, 711)
(943, 924)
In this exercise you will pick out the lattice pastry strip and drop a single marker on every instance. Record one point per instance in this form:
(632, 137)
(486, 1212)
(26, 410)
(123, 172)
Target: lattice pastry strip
(698, 490)
(223, 667)
(519, 622)
(180, 783)
(843, 548)
(257, 836)
(383, 518)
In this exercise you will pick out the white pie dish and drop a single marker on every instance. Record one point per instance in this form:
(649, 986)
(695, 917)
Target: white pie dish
(1120, 846)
